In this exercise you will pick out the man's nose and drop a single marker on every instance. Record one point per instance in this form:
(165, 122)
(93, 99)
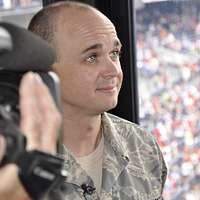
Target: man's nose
(111, 68)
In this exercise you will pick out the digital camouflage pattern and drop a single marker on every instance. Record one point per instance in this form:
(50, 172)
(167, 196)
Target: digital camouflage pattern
(133, 166)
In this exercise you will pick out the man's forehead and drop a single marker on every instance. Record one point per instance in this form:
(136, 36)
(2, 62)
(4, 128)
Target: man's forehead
(86, 25)
(73, 15)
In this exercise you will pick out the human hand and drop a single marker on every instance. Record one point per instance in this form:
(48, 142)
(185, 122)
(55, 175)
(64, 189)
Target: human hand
(40, 122)
(40, 119)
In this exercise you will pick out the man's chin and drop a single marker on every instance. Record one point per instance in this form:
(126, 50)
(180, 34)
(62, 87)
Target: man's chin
(110, 107)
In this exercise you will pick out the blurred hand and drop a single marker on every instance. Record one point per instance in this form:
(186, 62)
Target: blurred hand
(40, 122)
(40, 119)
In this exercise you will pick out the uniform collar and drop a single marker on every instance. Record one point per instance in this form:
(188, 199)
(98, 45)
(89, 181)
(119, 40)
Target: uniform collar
(115, 158)
(115, 155)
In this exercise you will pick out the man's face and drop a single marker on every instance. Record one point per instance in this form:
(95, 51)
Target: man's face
(88, 62)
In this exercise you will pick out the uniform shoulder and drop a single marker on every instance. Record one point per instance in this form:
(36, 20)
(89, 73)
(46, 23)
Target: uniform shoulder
(129, 129)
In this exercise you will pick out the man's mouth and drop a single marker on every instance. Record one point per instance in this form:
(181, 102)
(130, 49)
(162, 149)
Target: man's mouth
(107, 89)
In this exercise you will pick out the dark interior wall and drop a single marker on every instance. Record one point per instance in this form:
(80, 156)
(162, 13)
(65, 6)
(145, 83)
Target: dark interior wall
(121, 13)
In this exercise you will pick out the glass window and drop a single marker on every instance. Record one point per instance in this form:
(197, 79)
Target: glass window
(12, 4)
(19, 11)
(168, 62)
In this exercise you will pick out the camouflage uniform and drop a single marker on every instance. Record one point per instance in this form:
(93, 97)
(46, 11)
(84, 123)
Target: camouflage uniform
(133, 166)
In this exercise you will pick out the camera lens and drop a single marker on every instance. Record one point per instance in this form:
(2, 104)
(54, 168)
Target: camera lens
(9, 101)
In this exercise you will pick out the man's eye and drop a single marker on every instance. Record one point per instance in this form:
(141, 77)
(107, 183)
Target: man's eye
(115, 55)
(91, 59)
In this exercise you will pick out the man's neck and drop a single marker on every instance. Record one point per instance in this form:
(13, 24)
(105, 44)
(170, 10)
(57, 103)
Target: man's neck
(82, 133)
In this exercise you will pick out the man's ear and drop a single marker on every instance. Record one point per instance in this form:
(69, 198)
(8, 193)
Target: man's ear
(54, 66)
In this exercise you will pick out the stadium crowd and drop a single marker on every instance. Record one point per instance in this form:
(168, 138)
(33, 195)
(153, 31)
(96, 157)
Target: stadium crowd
(168, 61)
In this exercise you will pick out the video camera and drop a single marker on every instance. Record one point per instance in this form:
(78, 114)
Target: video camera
(22, 51)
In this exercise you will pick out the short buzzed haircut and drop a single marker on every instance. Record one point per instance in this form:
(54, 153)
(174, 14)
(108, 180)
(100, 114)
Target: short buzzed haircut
(45, 21)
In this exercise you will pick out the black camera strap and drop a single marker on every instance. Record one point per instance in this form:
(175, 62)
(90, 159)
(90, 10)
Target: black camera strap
(40, 173)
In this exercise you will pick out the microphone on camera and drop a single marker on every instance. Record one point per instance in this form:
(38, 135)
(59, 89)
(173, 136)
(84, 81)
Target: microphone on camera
(23, 51)
(87, 189)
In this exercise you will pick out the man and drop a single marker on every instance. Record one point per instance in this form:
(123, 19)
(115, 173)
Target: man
(36, 107)
(106, 157)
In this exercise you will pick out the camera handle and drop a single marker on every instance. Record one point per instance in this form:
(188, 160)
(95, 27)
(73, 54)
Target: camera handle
(40, 173)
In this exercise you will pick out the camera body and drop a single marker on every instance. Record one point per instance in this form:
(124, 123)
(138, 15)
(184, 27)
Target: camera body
(39, 172)
(10, 111)
(22, 51)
